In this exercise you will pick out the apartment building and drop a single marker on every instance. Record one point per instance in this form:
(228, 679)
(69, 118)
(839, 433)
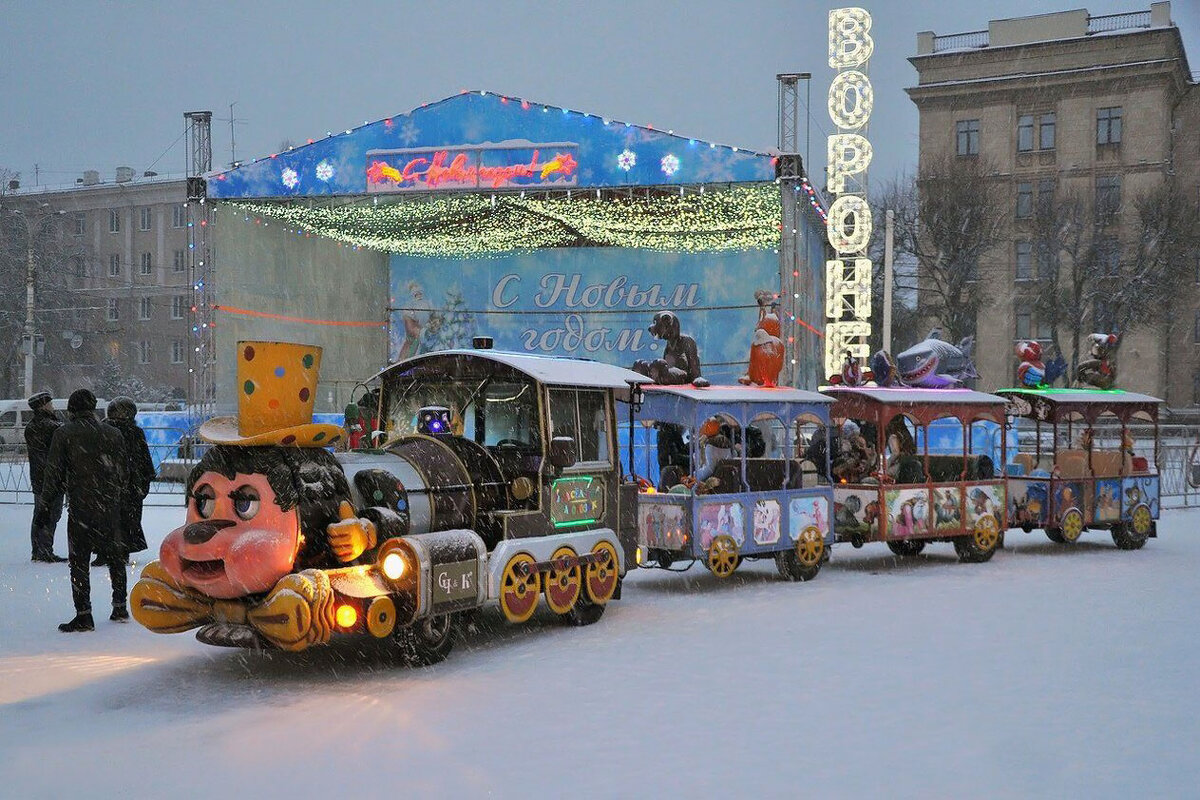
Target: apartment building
(125, 242)
(1068, 104)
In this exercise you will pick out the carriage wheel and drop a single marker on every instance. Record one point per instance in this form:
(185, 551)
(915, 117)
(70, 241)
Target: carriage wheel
(564, 580)
(1071, 526)
(1134, 535)
(722, 556)
(600, 580)
(906, 548)
(428, 641)
(803, 561)
(519, 588)
(981, 544)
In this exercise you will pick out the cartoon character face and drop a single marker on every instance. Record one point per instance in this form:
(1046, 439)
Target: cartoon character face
(236, 540)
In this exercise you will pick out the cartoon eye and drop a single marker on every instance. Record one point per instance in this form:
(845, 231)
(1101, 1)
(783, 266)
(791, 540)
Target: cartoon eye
(245, 502)
(206, 501)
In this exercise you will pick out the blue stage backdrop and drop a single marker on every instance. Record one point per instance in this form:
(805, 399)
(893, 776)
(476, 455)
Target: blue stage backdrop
(592, 303)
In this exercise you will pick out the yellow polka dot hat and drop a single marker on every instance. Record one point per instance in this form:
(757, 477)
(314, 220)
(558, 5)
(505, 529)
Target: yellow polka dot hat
(276, 384)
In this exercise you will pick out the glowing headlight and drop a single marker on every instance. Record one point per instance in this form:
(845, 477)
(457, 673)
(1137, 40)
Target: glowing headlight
(346, 616)
(393, 566)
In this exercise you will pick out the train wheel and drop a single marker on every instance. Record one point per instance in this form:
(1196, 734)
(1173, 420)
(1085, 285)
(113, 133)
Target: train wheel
(519, 587)
(602, 575)
(584, 612)
(564, 581)
(906, 548)
(722, 556)
(1071, 526)
(1134, 535)
(980, 546)
(1055, 535)
(803, 561)
(429, 640)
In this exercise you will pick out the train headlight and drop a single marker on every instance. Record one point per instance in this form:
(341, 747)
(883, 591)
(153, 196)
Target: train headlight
(346, 616)
(393, 566)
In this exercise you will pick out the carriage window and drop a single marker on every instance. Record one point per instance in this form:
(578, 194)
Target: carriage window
(581, 415)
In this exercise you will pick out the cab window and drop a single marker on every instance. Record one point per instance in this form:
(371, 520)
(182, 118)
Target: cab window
(582, 415)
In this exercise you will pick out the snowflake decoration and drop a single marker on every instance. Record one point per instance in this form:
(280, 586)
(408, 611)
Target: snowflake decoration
(324, 170)
(626, 160)
(290, 178)
(409, 132)
(669, 164)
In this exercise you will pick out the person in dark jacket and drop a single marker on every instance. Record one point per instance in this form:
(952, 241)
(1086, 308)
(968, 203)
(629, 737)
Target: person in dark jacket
(87, 462)
(140, 473)
(38, 433)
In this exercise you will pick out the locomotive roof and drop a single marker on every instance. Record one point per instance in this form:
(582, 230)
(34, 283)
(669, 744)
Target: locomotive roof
(551, 370)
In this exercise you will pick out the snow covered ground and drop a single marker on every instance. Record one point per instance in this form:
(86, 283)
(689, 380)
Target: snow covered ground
(1048, 672)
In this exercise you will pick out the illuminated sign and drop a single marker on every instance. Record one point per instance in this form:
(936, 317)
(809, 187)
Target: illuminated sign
(576, 501)
(848, 278)
(551, 165)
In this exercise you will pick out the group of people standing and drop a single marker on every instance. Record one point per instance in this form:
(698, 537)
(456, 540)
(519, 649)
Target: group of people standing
(104, 470)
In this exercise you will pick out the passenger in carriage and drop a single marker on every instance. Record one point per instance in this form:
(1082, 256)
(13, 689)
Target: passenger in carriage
(903, 465)
(855, 458)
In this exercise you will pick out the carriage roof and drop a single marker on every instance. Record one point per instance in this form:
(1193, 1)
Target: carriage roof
(689, 405)
(1054, 405)
(550, 370)
(922, 405)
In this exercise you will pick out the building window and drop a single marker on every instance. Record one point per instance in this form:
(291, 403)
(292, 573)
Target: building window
(80, 223)
(1044, 329)
(145, 218)
(1025, 133)
(176, 352)
(179, 263)
(144, 308)
(143, 352)
(1046, 132)
(114, 266)
(1024, 261)
(114, 310)
(1024, 320)
(1047, 260)
(968, 137)
(1108, 125)
(1196, 329)
(80, 264)
(178, 216)
(1024, 200)
(1108, 256)
(114, 220)
(178, 304)
(147, 265)
(1108, 196)
(1045, 195)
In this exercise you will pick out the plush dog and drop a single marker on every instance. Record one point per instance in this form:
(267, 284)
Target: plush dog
(680, 362)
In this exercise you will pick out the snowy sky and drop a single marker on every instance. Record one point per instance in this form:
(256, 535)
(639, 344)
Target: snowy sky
(96, 85)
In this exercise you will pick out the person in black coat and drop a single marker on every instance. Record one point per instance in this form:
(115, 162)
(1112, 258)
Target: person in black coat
(87, 462)
(38, 433)
(140, 472)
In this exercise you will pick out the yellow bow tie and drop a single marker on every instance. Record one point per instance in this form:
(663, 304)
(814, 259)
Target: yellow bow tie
(298, 611)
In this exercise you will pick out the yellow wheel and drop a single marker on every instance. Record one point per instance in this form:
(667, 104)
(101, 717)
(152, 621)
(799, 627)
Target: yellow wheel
(722, 556)
(810, 547)
(600, 579)
(564, 580)
(519, 588)
(381, 617)
(987, 533)
(1141, 521)
(1071, 526)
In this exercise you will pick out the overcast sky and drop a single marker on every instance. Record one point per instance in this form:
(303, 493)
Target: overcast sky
(94, 85)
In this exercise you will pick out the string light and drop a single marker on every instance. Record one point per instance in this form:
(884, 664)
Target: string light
(739, 218)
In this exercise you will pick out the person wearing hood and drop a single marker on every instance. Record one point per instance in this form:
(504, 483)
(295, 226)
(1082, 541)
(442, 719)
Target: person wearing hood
(38, 433)
(87, 462)
(140, 473)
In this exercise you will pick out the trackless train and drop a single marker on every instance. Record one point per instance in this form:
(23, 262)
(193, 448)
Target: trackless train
(521, 480)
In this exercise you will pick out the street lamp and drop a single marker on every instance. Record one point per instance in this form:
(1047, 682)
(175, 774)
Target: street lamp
(32, 225)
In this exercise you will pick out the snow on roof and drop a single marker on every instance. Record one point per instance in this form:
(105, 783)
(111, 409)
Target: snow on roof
(1085, 396)
(915, 396)
(729, 395)
(552, 370)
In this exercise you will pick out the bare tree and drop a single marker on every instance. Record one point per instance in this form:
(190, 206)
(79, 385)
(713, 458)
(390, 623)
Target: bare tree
(896, 195)
(1089, 282)
(948, 220)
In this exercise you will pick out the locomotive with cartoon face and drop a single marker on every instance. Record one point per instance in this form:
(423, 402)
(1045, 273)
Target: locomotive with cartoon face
(498, 481)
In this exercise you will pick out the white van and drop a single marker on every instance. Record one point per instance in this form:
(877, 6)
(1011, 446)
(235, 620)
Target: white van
(15, 415)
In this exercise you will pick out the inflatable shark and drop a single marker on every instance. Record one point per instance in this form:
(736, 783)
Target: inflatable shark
(931, 364)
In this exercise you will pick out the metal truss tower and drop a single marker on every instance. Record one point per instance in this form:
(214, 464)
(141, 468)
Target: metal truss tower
(791, 173)
(201, 353)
